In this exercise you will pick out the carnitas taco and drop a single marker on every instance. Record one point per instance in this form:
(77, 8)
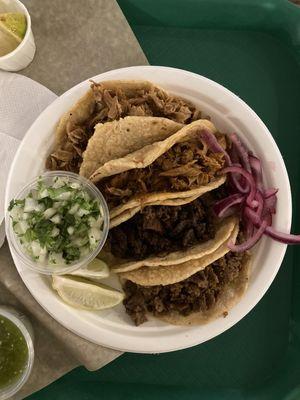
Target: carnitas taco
(109, 101)
(172, 171)
(193, 292)
(116, 139)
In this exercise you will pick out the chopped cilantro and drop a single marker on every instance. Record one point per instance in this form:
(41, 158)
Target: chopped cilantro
(14, 203)
(47, 201)
(68, 234)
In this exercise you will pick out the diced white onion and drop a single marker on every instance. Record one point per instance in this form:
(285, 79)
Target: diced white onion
(56, 219)
(73, 210)
(44, 193)
(94, 236)
(80, 241)
(36, 248)
(23, 226)
(96, 233)
(96, 223)
(17, 213)
(84, 251)
(56, 259)
(81, 212)
(75, 185)
(42, 258)
(70, 230)
(55, 232)
(59, 182)
(35, 194)
(25, 216)
(49, 212)
(39, 207)
(63, 196)
(30, 204)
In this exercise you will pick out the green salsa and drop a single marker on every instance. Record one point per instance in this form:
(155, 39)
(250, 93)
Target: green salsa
(13, 352)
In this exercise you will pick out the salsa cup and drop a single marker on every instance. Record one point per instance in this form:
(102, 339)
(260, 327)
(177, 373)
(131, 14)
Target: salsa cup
(50, 269)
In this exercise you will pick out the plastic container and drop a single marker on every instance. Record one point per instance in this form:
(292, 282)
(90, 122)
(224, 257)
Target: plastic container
(59, 269)
(25, 327)
(23, 54)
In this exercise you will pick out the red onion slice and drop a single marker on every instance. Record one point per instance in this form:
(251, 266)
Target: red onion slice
(252, 216)
(222, 207)
(249, 178)
(249, 229)
(257, 171)
(241, 150)
(212, 143)
(233, 155)
(268, 217)
(237, 183)
(249, 242)
(270, 192)
(261, 203)
(270, 204)
(253, 202)
(282, 237)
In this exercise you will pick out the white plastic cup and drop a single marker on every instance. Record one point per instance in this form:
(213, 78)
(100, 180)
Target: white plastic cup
(22, 55)
(25, 327)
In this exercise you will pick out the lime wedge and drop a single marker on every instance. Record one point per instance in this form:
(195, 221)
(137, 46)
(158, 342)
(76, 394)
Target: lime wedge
(81, 293)
(97, 269)
(12, 31)
(14, 23)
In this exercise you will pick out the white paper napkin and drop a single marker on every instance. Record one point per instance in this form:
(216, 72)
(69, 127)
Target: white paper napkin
(21, 101)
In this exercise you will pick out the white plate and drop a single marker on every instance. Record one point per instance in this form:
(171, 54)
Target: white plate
(113, 328)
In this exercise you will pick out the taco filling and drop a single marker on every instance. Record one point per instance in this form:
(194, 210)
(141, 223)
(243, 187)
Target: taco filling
(111, 104)
(185, 166)
(198, 293)
(157, 230)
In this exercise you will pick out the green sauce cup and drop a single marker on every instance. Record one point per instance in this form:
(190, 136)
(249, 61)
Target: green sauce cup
(16, 351)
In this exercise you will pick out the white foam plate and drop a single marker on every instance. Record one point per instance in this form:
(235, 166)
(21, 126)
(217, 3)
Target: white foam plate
(113, 328)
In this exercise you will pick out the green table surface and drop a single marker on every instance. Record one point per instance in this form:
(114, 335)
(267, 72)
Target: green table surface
(253, 48)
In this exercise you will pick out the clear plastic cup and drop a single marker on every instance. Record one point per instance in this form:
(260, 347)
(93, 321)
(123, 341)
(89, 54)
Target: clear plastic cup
(23, 54)
(21, 322)
(50, 269)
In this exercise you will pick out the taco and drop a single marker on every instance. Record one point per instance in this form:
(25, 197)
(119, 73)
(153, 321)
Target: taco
(116, 139)
(110, 101)
(193, 292)
(167, 235)
(179, 168)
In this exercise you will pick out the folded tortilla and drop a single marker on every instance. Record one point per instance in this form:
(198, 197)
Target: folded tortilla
(144, 157)
(116, 139)
(144, 271)
(149, 153)
(130, 212)
(180, 265)
(123, 212)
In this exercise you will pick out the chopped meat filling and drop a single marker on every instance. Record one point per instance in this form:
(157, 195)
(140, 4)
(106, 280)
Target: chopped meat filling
(157, 230)
(186, 165)
(200, 292)
(110, 105)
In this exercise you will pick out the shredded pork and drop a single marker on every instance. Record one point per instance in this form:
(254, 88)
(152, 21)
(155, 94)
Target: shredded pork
(185, 166)
(110, 105)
